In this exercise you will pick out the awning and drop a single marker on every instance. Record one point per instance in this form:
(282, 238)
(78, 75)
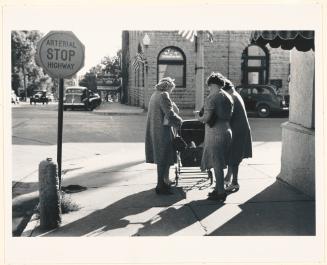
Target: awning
(286, 39)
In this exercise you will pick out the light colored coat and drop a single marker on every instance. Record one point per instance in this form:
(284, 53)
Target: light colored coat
(159, 147)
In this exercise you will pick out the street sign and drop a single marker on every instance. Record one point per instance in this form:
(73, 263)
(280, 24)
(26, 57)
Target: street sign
(60, 54)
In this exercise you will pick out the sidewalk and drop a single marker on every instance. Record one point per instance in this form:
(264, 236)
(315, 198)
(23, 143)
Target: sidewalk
(116, 108)
(120, 199)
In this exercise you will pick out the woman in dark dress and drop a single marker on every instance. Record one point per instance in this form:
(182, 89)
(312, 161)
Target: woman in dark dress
(218, 135)
(241, 146)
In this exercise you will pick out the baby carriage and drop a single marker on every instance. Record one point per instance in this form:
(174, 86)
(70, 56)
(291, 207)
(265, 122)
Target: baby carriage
(189, 160)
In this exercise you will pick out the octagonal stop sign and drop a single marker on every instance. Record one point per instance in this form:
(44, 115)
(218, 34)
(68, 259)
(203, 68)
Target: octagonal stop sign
(60, 54)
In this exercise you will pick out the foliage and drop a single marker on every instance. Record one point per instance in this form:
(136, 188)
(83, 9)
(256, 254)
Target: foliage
(25, 73)
(109, 65)
(67, 205)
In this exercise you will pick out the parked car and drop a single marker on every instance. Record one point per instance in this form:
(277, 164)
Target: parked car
(81, 97)
(263, 99)
(39, 96)
(14, 98)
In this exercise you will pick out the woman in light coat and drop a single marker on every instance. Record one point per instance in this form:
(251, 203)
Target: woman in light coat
(162, 117)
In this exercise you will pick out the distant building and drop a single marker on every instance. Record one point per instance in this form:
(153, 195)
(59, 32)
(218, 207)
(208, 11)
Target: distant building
(167, 53)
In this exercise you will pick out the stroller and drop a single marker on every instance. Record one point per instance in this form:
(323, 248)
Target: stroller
(192, 132)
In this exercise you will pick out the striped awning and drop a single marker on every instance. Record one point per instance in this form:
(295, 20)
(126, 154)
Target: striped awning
(285, 39)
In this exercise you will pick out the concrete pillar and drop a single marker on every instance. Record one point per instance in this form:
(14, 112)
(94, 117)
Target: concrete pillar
(298, 134)
(199, 72)
(49, 195)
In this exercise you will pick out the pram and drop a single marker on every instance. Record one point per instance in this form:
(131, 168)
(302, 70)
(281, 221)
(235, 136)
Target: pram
(192, 132)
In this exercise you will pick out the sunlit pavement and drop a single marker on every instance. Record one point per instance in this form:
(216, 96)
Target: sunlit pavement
(120, 198)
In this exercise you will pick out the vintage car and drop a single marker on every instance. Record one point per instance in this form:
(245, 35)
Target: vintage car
(263, 99)
(39, 96)
(81, 97)
(14, 98)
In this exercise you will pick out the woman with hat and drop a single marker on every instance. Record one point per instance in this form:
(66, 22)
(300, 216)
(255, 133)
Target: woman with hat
(162, 117)
(241, 146)
(218, 110)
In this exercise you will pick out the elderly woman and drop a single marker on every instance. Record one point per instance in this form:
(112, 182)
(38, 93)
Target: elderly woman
(241, 146)
(218, 110)
(162, 118)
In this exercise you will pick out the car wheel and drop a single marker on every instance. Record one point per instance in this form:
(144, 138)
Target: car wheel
(263, 111)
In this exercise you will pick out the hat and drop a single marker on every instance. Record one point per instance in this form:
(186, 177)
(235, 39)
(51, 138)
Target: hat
(165, 84)
(228, 84)
(216, 78)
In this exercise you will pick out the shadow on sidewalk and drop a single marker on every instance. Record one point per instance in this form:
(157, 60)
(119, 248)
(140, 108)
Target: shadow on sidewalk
(115, 215)
(276, 211)
(101, 177)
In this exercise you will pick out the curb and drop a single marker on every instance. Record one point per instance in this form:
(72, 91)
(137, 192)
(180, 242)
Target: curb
(119, 113)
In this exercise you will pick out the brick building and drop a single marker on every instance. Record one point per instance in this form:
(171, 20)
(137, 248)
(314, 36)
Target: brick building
(166, 53)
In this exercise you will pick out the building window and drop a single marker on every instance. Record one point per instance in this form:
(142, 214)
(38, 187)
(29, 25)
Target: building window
(255, 64)
(172, 63)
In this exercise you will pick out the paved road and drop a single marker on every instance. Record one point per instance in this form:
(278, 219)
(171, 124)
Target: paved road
(85, 133)
(33, 125)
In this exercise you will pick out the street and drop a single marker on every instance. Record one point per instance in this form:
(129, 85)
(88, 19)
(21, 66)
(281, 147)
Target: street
(34, 137)
(37, 125)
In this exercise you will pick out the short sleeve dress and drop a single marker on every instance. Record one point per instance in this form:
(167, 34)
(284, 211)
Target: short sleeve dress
(218, 137)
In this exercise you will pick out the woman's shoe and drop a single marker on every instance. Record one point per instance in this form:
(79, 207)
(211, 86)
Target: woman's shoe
(163, 190)
(214, 196)
(170, 183)
(233, 187)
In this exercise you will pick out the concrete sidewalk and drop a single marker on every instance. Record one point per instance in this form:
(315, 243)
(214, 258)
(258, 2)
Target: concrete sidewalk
(120, 199)
(116, 108)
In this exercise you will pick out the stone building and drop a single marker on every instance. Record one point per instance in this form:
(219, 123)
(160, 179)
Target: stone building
(166, 53)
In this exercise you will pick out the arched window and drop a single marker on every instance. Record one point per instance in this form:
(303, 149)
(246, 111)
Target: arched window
(255, 65)
(172, 63)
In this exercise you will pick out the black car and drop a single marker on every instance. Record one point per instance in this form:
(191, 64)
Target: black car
(39, 96)
(81, 97)
(263, 99)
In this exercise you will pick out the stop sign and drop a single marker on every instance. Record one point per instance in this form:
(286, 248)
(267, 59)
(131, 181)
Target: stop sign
(60, 54)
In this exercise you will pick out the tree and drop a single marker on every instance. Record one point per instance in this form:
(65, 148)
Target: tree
(109, 65)
(24, 70)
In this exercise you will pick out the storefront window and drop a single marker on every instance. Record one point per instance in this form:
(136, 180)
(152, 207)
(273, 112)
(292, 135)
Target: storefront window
(172, 63)
(255, 64)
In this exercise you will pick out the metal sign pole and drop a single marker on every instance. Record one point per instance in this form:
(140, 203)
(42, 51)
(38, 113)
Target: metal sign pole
(60, 125)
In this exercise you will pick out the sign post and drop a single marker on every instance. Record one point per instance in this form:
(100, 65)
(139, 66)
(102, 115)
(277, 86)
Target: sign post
(61, 55)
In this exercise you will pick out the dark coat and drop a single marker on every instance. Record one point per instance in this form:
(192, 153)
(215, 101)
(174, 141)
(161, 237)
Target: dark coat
(241, 146)
(159, 147)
